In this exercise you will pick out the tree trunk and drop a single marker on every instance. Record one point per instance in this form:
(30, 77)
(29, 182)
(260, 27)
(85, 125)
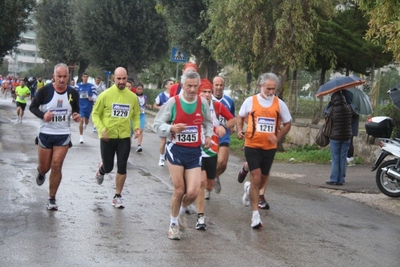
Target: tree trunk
(83, 65)
(133, 75)
(317, 113)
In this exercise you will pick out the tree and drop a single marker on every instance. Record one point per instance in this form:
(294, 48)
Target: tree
(187, 21)
(264, 35)
(14, 20)
(128, 33)
(384, 23)
(55, 35)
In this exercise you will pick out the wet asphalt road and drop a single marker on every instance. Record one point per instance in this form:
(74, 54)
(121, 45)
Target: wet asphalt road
(305, 226)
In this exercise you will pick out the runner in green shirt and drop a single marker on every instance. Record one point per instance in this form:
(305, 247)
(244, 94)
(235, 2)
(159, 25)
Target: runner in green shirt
(22, 92)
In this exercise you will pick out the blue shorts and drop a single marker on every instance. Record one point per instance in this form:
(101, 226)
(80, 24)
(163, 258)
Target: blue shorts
(142, 120)
(188, 157)
(226, 139)
(85, 113)
(49, 141)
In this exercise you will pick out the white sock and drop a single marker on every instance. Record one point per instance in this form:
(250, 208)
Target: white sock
(81, 136)
(162, 156)
(255, 212)
(182, 210)
(248, 189)
(173, 220)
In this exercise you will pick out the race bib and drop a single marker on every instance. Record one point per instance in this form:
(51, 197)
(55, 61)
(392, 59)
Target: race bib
(59, 115)
(83, 94)
(120, 110)
(21, 97)
(265, 125)
(189, 135)
(222, 121)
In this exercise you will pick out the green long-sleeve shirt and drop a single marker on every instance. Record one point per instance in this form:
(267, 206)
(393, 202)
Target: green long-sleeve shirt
(114, 109)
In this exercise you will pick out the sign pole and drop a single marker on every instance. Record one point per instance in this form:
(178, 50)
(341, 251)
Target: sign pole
(177, 69)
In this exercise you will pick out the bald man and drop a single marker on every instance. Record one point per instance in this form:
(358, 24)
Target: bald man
(113, 112)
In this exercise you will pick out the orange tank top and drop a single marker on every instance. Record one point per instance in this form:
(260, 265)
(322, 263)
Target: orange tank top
(262, 123)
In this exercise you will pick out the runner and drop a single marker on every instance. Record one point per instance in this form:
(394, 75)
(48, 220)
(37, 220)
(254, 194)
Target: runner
(209, 155)
(86, 93)
(54, 104)
(182, 119)
(143, 105)
(224, 141)
(160, 100)
(264, 113)
(115, 108)
(22, 93)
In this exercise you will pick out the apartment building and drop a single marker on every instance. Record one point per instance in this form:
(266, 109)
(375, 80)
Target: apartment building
(27, 56)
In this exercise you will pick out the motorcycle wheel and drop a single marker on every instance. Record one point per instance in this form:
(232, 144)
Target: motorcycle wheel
(388, 185)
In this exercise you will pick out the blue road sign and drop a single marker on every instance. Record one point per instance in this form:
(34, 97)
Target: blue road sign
(177, 55)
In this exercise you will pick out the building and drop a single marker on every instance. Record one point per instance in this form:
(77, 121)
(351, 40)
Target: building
(27, 56)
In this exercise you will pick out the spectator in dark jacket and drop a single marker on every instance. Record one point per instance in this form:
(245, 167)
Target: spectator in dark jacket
(341, 117)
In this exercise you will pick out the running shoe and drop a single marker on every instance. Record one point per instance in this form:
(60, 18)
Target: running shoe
(242, 174)
(117, 203)
(207, 195)
(40, 179)
(173, 232)
(256, 222)
(246, 197)
(99, 177)
(217, 185)
(81, 140)
(262, 203)
(201, 223)
(52, 205)
(161, 162)
(139, 149)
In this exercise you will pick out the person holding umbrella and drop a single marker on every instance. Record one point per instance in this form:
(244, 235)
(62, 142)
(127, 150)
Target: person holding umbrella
(341, 115)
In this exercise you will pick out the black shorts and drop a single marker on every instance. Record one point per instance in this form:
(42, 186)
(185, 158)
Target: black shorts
(258, 158)
(209, 164)
(21, 105)
(48, 141)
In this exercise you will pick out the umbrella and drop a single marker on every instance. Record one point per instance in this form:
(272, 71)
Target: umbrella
(361, 101)
(394, 94)
(338, 84)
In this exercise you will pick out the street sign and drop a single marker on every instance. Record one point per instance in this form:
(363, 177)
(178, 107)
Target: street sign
(177, 55)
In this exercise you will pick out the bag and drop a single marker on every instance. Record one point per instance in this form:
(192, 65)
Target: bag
(322, 140)
(328, 126)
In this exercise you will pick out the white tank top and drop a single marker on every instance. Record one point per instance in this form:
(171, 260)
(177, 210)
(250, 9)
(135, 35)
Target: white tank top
(61, 108)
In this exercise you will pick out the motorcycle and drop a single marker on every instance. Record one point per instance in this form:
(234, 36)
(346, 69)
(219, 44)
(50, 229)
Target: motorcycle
(387, 172)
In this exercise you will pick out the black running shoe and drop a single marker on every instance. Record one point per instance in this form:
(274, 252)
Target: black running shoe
(40, 179)
(262, 203)
(242, 175)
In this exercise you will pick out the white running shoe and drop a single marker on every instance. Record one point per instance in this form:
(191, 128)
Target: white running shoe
(246, 197)
(52, 205)
(117, 202)
(207, 195)
(81, 140)
(256, 221)
(173, 232)
(201, 223)
(161, 162)
(217, 185)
